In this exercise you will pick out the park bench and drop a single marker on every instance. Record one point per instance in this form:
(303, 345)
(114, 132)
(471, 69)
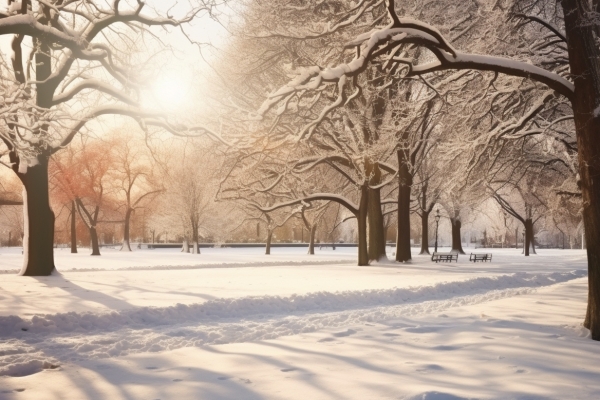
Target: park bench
(444, 257)
(480, 257)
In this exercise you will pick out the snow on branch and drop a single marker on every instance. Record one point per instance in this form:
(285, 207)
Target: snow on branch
(96, 85)
(145, 117)
(372, 45)
(314, 197)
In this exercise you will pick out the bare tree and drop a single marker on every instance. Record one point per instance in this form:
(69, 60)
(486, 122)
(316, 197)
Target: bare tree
(133, 177)
(78, 46)
(190, 191)
(578, 41)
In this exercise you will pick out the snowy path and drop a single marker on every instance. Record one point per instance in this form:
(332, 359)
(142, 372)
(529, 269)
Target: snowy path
(530, 349)
(290, 331)
(30, 345)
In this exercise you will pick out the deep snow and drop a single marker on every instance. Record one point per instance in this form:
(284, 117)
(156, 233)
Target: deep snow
(233, 323)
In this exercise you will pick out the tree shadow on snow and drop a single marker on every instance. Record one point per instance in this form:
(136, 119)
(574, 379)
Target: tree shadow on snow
(57, 280)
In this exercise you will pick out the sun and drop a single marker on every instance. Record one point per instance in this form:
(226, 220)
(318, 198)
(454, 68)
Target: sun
(171, 90)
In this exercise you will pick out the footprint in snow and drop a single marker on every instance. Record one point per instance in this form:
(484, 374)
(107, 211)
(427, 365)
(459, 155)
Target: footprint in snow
(446, 348)
(487, 337)
(423, 329)
(345, 333)
(430, 368)
(438, 396)
(19, 390)
(288, 369)
(177, 380)
(151, 367)
(327, 339)
(391, 334)
(223, 378)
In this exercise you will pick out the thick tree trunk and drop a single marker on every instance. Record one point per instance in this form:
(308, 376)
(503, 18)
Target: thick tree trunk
(73, 228)
(529, 245)
(38, 221)
(38, 218)
(268, 245)
(126, 246)
(584, 59)
(185, 248)
(424, 233)
(361, 217)
(94, 240)
(456, 239)
(311, 243)
(376, 240)
(403, 228)
(375, 216)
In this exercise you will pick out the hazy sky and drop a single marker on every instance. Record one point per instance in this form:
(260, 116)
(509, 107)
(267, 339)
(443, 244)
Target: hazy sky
(179, 73)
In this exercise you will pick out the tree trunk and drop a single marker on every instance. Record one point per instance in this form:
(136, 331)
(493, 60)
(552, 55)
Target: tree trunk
(529, 245)
(38, 218)
(584, 59)
(375, 216)
(126, 246)
(311, 243)
(361, 217)
(424, 233)
(269, 237)
(571, 241)
(376, 240)
(456, 239)
(73, 228)
(38, 221)
(195, 236)
(403, 228)
(94, 240)
(185, 248)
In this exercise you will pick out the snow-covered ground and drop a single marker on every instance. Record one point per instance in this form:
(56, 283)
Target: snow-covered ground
(236, 324)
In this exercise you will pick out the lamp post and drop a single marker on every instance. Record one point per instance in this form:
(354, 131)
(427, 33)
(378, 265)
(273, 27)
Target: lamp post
(437, 224)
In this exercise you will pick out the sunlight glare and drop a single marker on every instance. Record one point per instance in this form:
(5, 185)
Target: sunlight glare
(171, 90)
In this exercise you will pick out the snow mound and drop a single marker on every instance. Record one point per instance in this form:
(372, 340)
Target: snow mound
(70, 337)
(267, 306)
(29, 367)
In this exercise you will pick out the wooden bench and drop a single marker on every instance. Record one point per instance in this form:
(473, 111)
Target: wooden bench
(444, 257)
(480, 257)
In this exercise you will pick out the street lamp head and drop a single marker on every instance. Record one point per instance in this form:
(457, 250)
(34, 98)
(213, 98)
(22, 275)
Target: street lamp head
(437, 215)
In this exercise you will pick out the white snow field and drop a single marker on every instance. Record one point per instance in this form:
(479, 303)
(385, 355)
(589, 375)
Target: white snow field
(237, 324)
